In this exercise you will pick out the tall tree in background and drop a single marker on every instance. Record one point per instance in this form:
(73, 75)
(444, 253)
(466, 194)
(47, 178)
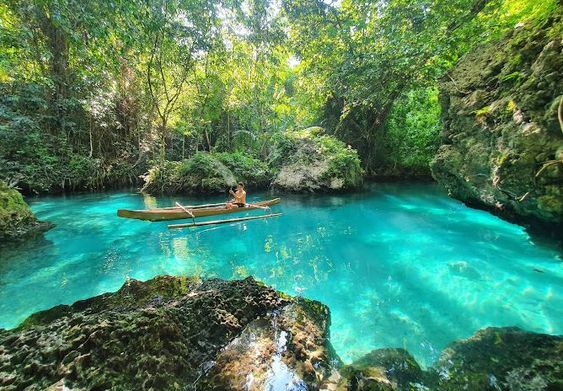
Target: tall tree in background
(374, 51)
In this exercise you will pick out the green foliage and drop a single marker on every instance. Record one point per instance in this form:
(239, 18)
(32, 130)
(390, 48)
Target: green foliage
(92, 91)
(202, 173)
(368, 54)
(412, 133)
(252, 172)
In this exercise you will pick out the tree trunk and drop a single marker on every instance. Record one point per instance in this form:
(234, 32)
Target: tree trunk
(162, 154)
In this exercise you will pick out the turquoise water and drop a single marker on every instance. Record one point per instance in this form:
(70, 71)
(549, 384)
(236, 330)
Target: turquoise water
(398, 265)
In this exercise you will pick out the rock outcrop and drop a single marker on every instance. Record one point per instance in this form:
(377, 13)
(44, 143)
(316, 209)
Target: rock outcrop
(17, 221)
(502, 145)
(172, 333)
(310, 161)
(202, 173)
(207, 173)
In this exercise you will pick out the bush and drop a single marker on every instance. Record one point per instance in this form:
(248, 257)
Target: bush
(253, 172)
(202, 173)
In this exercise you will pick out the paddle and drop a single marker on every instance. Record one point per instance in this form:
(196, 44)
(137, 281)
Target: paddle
(186, 210)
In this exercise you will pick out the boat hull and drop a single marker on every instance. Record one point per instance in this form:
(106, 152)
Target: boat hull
(175, 213)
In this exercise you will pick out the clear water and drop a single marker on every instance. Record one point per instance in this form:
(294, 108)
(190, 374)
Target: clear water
(398, 265)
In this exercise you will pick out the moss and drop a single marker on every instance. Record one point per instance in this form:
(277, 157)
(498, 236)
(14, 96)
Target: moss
(483, 111)
(311, 161)
(16, 218)
(551, 204)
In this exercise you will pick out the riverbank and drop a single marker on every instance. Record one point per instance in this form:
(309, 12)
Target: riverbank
(178, 332)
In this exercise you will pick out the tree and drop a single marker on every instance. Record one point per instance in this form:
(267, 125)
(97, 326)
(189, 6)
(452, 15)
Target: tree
(372, 52)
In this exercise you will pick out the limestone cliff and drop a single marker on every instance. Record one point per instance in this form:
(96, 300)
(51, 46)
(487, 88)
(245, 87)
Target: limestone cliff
(502, 142)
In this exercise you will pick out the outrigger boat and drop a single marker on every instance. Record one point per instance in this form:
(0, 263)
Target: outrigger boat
(186, 212)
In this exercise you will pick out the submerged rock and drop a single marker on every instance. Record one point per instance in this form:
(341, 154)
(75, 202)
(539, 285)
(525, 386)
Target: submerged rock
(17, 221)
(501, 359)
(310, 161)
(172, 333)
(493, 359)
(382, 369)
(502, 143)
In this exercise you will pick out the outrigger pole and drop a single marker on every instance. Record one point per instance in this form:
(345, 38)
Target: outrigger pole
(194, 224)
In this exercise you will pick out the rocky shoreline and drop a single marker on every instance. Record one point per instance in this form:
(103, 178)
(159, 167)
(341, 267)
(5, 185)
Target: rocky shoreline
(183, 333)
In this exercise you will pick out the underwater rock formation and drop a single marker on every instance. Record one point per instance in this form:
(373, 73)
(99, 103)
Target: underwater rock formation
(382, 369)
(172, 333)
(502, 142)
(17, 221)
(311, 161)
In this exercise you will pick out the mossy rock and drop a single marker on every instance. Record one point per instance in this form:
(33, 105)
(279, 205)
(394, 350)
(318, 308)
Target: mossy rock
(383, 369)
(170, 333)
(310, 161)
(202, 173)
(16, 218)
(254, 173)
(501, 359)
(502, 138)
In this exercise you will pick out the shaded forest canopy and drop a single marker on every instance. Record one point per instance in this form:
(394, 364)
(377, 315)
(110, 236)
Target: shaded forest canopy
(93, 94)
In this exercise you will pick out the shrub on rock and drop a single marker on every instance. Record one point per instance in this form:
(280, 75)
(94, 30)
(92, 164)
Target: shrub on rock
(202, 173)
(253, 172)
(309, 161)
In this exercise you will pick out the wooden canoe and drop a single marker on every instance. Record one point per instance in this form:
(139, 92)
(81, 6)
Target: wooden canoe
(176, 213)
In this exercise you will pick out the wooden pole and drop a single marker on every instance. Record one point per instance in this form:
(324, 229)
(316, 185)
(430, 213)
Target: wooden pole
(171, 226)
(187, 211)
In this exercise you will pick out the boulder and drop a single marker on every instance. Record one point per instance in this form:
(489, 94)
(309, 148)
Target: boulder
(254, 173)
(17, 221)
(502, 142)
(382, 369)
(311, 161)
(172, 333)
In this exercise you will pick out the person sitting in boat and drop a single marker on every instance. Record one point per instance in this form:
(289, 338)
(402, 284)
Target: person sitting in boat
(239, 197)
